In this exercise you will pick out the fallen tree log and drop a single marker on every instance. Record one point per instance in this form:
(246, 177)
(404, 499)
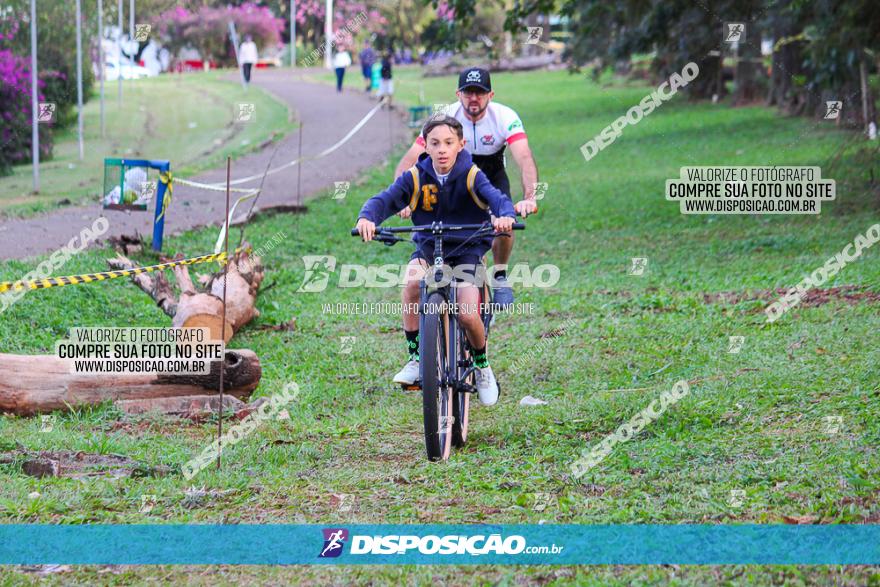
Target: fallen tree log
(205, 308)
(33, 384)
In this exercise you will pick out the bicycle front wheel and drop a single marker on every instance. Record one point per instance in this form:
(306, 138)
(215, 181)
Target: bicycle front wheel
(461, 400)
(434, 367)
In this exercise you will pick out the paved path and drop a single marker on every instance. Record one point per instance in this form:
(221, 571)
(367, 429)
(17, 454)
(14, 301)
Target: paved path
(326, 117)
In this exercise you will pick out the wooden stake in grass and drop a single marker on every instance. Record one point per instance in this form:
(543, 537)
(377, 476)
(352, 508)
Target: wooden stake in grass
(225, 275)
(299, 158)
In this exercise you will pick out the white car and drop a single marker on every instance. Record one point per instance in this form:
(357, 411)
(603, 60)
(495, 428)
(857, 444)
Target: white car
(128, 71)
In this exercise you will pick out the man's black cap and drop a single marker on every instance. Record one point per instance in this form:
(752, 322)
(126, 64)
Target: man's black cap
(475, 77)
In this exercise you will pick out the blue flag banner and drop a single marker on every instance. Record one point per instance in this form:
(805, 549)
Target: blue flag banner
(440, 544)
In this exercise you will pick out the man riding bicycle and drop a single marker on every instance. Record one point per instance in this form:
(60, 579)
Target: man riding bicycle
(488, 127)
(444, 187)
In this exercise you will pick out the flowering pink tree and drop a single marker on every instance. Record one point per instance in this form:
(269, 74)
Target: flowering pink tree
(207, 29)
(445, 11)
(310, 15)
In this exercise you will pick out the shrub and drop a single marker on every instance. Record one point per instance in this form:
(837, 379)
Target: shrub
(56, 49)
(15, 113)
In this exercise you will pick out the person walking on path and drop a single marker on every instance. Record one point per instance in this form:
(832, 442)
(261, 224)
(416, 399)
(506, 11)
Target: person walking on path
(386, 86)
(248, 55)
(367, 58)
(341, 60)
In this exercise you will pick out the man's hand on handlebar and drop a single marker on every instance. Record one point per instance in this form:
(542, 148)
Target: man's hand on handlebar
(366, 229)
(526, 207)
(503, 224)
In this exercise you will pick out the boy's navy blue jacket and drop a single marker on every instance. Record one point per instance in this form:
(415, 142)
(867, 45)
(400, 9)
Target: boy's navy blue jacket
(465, 198)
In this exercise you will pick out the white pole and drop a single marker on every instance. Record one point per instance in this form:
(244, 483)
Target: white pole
(328, 32)
(35, 134)
(79, 79)
(131, 21)
(293, 33)
(233, 36)
(101, 58)
(119, 53)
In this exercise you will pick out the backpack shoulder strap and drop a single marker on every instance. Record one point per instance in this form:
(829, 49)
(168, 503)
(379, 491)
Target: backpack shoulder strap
(471, 178)
(414, 198)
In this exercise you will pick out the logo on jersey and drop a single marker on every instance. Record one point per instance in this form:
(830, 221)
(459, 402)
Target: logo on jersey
(515, 124)
(334, 539)
(488, 139)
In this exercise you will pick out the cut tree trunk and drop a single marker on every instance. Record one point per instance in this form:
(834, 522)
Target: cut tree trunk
(43, 383)
(205, 308)
(242, 282)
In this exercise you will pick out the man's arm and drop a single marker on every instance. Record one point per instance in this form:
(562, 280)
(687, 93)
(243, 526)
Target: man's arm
(522, 154)
(410, 158)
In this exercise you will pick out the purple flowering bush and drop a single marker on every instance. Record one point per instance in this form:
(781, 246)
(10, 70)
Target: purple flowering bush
(15, 113)
(56, 50)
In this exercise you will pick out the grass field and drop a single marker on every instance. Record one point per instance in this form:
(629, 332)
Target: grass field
(754, 422)
(197, 133)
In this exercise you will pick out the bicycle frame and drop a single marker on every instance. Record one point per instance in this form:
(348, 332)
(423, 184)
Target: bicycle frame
(445, 366)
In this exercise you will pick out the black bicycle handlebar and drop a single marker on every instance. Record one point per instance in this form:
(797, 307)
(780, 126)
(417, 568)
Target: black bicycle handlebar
(439, 226)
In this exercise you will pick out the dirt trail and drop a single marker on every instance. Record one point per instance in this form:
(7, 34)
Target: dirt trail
(326, 117)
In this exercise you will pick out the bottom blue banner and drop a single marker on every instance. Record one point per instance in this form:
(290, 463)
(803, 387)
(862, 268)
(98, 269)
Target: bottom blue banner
(440, 544)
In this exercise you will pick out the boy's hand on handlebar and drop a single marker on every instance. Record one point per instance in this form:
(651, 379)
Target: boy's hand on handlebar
(526, 207)
(366, 229)
(405, 213)
(503, 224)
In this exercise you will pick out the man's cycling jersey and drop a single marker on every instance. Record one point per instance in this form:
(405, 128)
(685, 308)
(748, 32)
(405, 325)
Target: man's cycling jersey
(487, 138)
(498, 127)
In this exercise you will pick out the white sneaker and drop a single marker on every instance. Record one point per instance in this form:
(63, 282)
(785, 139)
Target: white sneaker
(487, 387)
(409, 374)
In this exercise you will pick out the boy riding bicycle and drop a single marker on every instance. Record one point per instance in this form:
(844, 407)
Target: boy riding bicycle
(444, 187)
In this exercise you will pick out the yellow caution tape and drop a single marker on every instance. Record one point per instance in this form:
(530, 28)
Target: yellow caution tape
(165, 177)
(91, 277)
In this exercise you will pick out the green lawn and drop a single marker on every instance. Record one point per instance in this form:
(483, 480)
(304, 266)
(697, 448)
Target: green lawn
(196, 133)
(753, 422)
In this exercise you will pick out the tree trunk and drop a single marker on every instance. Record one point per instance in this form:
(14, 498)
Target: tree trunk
(43, 383)
(869, 110)
(787, 63)
(243, 280)
(205, 309)
(749, 70)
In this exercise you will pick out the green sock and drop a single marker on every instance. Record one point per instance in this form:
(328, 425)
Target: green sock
(412, 344)
(481, 359)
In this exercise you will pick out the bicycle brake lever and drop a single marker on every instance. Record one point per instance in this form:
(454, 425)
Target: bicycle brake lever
(387, 239)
